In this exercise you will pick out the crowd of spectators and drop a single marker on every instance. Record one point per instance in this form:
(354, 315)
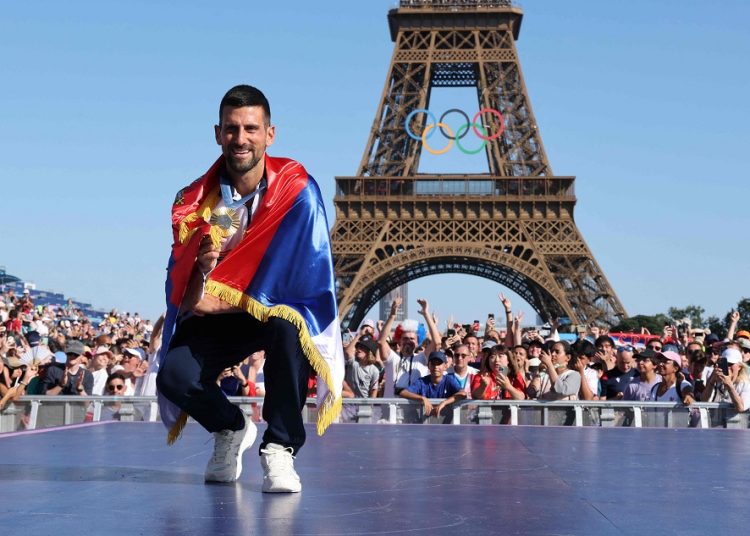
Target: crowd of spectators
(49, 350)
(468, 362)
(57, 350)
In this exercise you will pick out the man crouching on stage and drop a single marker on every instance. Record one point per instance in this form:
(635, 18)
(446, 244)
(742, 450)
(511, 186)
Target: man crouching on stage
(251, 269)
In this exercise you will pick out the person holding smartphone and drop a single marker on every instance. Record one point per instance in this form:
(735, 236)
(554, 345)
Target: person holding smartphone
(729, 381)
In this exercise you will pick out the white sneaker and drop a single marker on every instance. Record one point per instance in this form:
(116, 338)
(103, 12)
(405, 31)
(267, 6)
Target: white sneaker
(279, 475)
(226, 463)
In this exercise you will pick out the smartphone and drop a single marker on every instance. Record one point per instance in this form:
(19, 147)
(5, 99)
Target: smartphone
(451, 332)
(723, 364)
(491, 315)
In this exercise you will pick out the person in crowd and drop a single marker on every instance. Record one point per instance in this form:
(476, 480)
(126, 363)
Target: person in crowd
(558, 382)
(733, 386)
(642, 390)
(233, 380)
(584, 350)
(461, 369)
(361, 374)
(621, 375)
(496, 380)
(98, 368)
(74, 379)
(673, 386)
(436, 384)
(404, 367)
(605, 352)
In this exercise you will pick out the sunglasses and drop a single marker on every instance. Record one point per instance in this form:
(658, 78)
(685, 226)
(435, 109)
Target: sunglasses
(118, 387)
(654, 347)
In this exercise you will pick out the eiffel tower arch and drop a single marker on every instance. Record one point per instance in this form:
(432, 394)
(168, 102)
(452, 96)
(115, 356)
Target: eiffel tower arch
(513, 225)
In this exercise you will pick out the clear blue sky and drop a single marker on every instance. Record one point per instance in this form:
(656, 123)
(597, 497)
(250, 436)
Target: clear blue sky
(106, 110)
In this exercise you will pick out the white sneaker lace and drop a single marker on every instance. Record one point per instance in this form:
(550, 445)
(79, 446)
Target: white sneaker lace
(279, 461)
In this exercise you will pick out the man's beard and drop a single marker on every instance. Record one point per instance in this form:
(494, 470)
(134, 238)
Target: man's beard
(241, 166)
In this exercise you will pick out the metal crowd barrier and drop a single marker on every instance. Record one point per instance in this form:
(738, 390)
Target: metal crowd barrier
(35, 412)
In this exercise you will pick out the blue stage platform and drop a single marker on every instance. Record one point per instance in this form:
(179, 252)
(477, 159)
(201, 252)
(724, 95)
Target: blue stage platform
(121, 479)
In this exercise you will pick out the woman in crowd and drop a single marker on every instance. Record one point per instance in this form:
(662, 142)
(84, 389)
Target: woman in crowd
(673, 387)
(496, 379)
(558, 381)
(733, 387)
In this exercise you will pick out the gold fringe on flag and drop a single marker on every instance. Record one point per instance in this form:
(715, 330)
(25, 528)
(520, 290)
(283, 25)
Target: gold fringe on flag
(329, 408)
(176, 431)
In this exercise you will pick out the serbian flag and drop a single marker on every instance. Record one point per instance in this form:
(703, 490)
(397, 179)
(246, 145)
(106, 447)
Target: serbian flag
(282, 267)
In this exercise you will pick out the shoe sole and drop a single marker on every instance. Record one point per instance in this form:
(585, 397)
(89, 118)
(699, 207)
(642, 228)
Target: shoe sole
(247, 442)
(285, 490)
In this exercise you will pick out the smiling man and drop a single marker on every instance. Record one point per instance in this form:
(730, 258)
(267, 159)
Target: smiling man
(250, 270)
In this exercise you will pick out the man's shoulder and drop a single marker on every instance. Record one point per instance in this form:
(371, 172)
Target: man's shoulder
(179, 198)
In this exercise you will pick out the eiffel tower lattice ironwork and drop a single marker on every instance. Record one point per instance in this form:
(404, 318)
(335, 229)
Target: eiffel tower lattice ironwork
(513, 225)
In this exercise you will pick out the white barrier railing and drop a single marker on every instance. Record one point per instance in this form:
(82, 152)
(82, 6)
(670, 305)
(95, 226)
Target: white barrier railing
(32, 412)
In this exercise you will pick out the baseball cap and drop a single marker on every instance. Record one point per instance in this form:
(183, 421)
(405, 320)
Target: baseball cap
(732, 355)
(489, 345)
(369, 345)
(437, 356)
(75, 347)
(742, 334)
(672, 356)
(648, 353)
(133, 352)
(743, 343)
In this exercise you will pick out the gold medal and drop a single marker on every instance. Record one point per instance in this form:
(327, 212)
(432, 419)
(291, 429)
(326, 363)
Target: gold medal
(226, 220)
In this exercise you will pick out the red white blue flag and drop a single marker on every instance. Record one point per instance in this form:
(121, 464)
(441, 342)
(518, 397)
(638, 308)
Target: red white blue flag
(282, 267)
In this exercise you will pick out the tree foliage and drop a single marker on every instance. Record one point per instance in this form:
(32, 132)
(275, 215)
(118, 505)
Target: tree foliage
(675, 315)
(692, 312)
(653, 323)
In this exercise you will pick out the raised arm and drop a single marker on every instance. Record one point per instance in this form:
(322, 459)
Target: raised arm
(431, 327)
(385, 350)
(508, 320)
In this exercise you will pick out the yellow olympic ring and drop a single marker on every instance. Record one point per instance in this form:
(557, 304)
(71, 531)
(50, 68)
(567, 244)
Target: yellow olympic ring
(444, 149)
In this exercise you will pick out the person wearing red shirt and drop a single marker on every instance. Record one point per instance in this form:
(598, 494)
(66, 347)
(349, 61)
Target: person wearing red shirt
(495, 380)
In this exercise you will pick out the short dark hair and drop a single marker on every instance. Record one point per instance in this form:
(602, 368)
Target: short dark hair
(115, 376)
(244, 95)
(604, 339)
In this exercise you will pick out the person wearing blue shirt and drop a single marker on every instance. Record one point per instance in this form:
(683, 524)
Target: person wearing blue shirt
(436, 385)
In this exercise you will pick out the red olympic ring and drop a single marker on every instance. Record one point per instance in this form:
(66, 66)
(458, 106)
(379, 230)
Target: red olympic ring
(493, 112)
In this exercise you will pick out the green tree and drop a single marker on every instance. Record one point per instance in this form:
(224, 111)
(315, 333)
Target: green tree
(653, 323)
(717, 326)
(720, 326)
(743, 307)
(693, 312)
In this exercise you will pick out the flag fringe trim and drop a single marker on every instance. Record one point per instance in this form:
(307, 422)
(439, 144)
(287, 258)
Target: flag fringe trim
(329, 408)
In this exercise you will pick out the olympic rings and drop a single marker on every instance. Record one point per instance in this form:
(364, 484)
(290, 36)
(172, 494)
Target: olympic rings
(444, 149)
(466, 118)
(493, 112)
(466, 127)
(408, 120)
(480, 130)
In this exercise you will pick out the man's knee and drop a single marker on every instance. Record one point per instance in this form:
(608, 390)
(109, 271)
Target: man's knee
(282, 328)
(172, 376)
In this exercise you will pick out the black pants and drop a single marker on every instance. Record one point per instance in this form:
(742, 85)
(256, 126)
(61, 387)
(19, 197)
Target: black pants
(203, 346)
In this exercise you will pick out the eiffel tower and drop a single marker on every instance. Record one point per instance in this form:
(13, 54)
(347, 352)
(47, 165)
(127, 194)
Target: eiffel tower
(513, 225)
